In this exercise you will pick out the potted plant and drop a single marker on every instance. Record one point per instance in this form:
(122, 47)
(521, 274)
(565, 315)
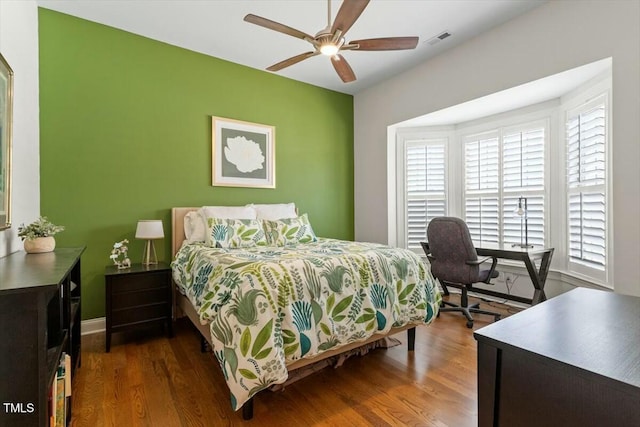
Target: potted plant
(38, 236)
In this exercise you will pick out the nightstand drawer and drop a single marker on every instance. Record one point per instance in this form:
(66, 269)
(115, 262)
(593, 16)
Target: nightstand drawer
(142, 314)
(139, 282)
(139, 298)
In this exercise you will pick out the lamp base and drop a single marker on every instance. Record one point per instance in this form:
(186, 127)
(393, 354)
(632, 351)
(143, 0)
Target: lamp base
(149, 256)
(521, 245)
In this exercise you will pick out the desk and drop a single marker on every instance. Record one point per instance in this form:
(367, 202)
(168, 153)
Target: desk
(527, 256)
(572, 361)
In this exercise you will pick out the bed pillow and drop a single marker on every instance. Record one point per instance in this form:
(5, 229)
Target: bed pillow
(194, 227)
(228, 212)
(289, 231)
(235, 233)
(275, 211)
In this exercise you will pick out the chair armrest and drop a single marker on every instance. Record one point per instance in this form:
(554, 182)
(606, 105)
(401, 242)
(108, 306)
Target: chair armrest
(479, 261)
(494, 262)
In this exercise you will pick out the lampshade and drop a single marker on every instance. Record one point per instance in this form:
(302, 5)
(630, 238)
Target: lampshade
(149, 229)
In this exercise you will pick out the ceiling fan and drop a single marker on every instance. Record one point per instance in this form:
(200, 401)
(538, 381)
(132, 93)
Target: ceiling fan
(330, 40)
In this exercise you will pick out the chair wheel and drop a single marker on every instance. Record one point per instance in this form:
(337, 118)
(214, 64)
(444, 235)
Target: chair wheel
(469, 324)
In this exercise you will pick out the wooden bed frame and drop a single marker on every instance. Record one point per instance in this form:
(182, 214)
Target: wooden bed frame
(183, 307)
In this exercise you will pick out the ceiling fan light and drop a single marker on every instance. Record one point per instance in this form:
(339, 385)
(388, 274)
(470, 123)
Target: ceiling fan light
(329, 49)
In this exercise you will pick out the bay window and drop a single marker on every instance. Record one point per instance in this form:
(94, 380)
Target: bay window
(555, 157)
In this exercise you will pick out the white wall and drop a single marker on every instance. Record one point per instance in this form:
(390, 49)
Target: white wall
(19, 46)
(555, 37)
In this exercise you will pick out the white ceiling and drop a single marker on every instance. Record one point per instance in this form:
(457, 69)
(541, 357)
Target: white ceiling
(216, 28)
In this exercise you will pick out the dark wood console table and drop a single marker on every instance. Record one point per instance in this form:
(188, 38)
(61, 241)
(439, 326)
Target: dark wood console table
(571, 361)
(40, 314)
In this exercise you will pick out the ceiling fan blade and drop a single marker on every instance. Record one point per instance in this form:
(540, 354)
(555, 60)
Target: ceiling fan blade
(276, 26)
(386, 43)
(348, 14)
(293, 60)
(343, 68)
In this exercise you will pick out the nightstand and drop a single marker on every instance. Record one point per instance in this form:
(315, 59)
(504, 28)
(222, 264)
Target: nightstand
(138, 296)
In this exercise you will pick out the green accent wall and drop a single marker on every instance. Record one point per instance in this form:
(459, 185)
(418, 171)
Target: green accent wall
(125, 134)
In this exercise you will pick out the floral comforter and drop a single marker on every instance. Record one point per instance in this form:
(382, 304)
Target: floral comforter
(268, 306)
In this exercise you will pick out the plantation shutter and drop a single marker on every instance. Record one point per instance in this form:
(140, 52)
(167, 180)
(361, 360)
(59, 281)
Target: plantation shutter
(586, 139)
(523, 176)
(425, 187)
(481, 167)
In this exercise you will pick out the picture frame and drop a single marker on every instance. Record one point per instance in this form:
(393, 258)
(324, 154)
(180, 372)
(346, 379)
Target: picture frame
(243, 153)
(6, 131)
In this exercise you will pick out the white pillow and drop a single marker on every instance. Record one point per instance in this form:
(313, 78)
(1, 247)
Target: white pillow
(194, 227)
(228, 212)
(276, 211)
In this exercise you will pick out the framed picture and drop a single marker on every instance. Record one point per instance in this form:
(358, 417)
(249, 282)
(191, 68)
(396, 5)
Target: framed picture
(243, 154)
(6, 113)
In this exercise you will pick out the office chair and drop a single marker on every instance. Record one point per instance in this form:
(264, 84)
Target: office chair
(454, 262)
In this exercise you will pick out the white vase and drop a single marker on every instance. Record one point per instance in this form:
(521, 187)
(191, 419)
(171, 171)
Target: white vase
(39, 245)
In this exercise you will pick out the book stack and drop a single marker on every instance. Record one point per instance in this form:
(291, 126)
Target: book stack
(60, 392)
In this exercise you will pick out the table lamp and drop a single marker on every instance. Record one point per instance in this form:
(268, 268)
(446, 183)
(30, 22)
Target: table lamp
(149, 229)
(522, 212)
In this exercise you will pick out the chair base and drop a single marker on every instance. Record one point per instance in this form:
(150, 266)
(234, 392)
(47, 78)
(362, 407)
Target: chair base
(467, 309)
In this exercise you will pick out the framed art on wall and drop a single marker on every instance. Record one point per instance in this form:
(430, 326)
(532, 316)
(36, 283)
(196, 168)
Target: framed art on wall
(6, 110)
(243, 154)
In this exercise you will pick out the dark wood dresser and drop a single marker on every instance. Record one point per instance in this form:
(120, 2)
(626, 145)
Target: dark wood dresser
(573, 360)
(39, 323)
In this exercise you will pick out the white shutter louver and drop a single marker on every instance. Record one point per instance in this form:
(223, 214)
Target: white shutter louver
(481, 188)
(523, 160)
(586, 161)
(482, 219)
(425, 188)
(481, 165)
(523, 176)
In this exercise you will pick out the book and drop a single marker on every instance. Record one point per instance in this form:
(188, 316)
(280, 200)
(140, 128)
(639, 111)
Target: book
(59, 392)
(67, 376)
(60, 402)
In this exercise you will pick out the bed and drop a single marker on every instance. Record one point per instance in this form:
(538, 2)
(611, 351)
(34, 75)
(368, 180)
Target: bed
(269, 312)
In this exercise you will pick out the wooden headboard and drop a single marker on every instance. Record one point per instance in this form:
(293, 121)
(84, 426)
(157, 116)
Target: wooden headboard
(177, 228)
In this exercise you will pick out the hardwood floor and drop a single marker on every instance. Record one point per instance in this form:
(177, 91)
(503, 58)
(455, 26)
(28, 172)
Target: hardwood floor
(150, 380)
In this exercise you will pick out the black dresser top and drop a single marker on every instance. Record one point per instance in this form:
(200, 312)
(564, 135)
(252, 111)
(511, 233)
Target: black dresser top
(20, 272)
(596, 331)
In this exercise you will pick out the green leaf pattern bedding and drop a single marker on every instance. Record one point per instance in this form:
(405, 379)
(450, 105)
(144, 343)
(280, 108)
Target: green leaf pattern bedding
(268, 306)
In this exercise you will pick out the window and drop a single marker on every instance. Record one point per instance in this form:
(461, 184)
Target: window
(523, 175)
(586, 141)
(481, 157)
(501, 167)
(425, 187)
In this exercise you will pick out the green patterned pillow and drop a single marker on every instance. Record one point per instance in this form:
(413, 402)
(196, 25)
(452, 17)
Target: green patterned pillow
(289, 231)
(235, 233)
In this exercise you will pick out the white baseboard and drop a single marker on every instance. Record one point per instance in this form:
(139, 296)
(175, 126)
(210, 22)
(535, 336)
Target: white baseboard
(93, 326)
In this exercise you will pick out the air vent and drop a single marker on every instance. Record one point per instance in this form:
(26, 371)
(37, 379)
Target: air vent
(443, 35)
